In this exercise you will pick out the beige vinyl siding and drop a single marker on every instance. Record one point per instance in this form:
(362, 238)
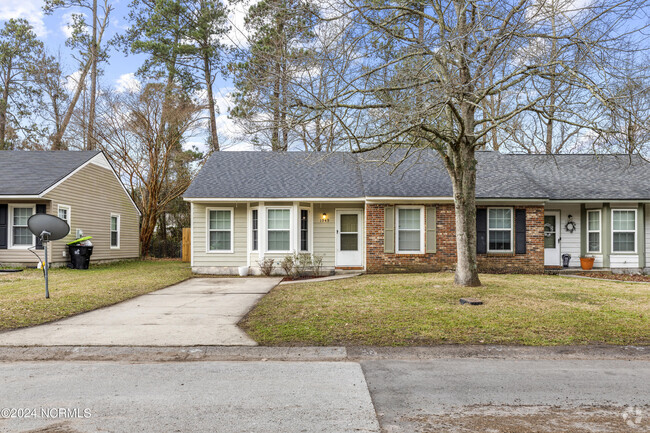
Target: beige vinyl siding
(325, 232)
(93, 194)
(200, 255)
(323, 238)
(21, 256)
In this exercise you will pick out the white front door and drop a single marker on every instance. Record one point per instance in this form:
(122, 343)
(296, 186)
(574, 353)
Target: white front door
(552, 239)
(349, 236)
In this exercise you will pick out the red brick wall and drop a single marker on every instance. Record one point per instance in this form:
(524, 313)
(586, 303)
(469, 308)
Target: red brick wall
(445, 256)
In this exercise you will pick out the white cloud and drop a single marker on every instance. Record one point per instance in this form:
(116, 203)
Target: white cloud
(31, 10)
(72, 80)
(238, 35)
(66, 24)
(127, 83)
(230, 136)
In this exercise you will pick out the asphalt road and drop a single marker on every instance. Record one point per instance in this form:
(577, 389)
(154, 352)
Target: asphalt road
(447, 395)
(477, 395)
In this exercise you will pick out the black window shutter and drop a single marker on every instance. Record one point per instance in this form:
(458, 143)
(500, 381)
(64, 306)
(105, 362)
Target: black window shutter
(40, 208)
(481, 231)
(520, 231)
(4, 233)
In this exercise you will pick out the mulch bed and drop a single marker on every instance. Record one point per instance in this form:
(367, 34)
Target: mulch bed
(619, 277)
(306, 277)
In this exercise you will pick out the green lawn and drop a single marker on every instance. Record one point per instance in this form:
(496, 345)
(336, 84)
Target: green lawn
(424, 309)
(22, 295)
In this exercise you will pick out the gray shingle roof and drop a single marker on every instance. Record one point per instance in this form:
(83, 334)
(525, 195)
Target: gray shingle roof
(419, 174)
(32, 172)
(278, 175)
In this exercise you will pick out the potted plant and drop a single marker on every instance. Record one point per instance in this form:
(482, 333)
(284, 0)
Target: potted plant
(587, 262)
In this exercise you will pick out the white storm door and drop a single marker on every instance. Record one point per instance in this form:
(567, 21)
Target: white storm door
(348, 238)
(551, 239)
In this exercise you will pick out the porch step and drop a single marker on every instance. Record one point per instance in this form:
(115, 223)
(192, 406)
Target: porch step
(556, 270)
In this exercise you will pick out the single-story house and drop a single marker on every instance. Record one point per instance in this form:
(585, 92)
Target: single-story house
(79, 187)
(365, 211)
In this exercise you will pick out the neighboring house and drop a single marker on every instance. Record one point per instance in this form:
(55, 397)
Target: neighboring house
(79, 187)
(361, 214)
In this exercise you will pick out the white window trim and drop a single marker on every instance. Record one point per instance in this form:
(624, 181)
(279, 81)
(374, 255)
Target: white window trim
(232, 230)
(119, 231)
(512, 230)
(291, 229)
(599, 231)
(68, 210)
(309, 230)
(250, 216)
(422, 230)
(636, 227)
(10, 226)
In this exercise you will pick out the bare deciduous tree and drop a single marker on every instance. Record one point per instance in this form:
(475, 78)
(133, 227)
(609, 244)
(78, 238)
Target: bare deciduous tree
(90, 53)
(143, 132)
(423, 82)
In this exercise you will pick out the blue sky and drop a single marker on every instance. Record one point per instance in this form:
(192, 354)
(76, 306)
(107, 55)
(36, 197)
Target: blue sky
(120, 69)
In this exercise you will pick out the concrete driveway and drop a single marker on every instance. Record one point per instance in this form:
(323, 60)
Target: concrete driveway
(199, 311)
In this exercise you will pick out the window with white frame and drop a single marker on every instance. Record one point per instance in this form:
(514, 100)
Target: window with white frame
(115, 231)
(593, 231)
(304, 230)
(623, 230)
(410, 229)
(278, 229)
(220, 223)
(64, 213)
(20, 234)
(255, 221)
(499, 230)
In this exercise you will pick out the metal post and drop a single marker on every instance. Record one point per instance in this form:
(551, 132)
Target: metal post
(47, 291)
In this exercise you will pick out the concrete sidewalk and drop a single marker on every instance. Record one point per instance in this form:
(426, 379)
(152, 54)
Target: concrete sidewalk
(199, 311)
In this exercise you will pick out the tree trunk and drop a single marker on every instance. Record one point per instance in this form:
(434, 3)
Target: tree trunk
(275, 132)
(464, 187)
(4, 104)
(90, 135)
(57, 122)
(146, 234)
(552, 89)
(214, 138)
(58, 137)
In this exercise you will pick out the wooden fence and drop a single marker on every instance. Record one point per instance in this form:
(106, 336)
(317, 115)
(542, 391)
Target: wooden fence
(187, 244)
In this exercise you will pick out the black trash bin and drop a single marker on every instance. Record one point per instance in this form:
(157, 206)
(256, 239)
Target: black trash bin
(79, 256)
(565, 260)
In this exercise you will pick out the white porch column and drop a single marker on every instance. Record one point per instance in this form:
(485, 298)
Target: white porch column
(295, 227)
(261, 233)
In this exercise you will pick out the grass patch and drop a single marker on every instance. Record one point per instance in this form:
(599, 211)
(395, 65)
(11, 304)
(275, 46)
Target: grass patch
(424, 309)
(22, 295)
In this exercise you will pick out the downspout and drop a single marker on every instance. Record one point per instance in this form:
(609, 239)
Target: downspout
(583, 230)
(641, 235)
(607, 234)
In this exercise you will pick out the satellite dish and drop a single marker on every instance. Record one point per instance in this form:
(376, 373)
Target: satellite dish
(47, 228)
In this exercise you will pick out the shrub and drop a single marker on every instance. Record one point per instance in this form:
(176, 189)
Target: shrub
(317, 265)
(303, 264)
(266, 266)
(287, 265)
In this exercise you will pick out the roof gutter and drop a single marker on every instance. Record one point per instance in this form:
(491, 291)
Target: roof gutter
(22, 197)
(267, 199)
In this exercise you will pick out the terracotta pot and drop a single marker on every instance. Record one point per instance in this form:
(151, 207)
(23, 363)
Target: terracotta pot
(586, 263)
